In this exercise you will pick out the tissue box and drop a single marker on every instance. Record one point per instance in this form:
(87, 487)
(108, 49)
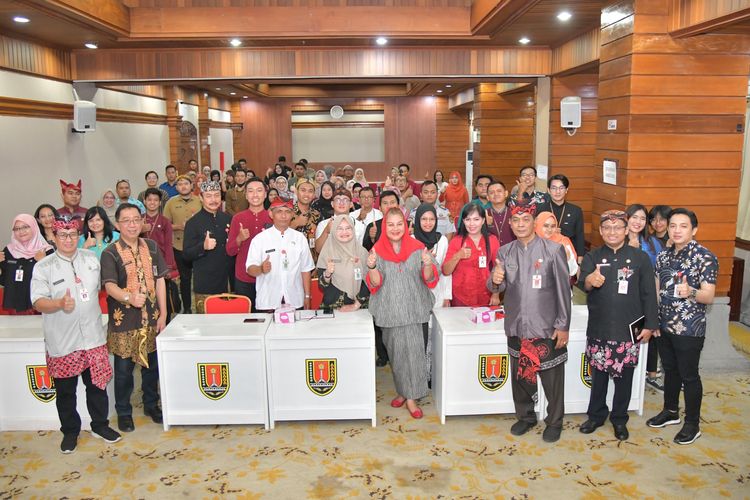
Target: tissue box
(284, 315)
(486, 314)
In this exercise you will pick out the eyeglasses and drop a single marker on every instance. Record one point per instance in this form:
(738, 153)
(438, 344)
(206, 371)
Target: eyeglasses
(612, 229)
(67, 236)
(130, 222)
(20, 228)
(341, 201)
(558, 188)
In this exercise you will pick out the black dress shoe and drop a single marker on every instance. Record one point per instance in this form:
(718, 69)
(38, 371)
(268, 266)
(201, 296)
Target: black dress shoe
(621, 432)
(521, 427)
(589, 426)
(125, 423)
(380, 362)
(551, 434)
(155, 414)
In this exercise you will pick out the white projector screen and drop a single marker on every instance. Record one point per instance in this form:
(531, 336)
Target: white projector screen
(339, 144)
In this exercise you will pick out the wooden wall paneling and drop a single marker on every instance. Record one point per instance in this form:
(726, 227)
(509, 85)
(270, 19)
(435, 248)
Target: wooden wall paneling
(680, 105)
(583, 49)
(174, 121)
(506, 127)
(204, 126)
(125, 65)
(410, 135)
(574, 156)
(10, 106)
(690, 17)
(237, 126)
(29, 57)
(451, 138)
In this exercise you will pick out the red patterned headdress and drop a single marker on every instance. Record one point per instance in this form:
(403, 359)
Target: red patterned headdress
(65, 223)
(65, 186)
(524, 208)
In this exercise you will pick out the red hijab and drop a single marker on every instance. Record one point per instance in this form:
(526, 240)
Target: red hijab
(458, 188)
(384, 248)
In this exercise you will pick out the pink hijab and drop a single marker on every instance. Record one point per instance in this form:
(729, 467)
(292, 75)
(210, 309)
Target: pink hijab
(29, 249)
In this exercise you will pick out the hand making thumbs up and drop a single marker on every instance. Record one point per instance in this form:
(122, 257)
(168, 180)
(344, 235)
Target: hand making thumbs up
(243, 234)
(683, 289)
(67, 302)
(465, 252)
(266, 265)
(372, 259)
(330, 267)
(426, 257)
(498, 273)
(596, 279)
(209, 243)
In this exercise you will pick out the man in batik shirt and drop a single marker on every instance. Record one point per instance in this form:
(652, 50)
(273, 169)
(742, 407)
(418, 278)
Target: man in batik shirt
(687, 282)
(133, 272)
(533, 273)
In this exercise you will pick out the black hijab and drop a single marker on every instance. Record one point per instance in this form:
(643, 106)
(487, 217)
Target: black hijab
(429, 239)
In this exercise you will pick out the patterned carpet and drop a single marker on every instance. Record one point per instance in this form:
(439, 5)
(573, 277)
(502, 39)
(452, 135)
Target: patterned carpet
(469, 457)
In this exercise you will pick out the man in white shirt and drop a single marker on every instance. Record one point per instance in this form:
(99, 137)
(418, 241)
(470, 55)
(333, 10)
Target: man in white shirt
(280, 259)
(368, 213)
(342, 204)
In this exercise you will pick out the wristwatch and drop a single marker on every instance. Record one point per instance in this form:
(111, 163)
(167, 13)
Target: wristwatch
(693, 293)
(126, 298)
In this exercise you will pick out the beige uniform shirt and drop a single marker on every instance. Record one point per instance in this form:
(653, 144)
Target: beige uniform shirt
(178, 211)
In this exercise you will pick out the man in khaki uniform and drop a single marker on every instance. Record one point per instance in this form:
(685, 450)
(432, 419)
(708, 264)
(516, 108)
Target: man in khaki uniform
(178, 210)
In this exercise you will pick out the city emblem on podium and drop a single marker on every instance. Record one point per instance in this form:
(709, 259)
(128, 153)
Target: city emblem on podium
(41, 384)
(585, 371)
(213, 380)
(321, 375)
(493, 371)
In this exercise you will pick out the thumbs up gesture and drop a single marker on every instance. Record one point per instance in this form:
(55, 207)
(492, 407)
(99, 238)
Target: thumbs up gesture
(596, 279)
(373, 232)
(330, 267)
(465, 252)
(244, 234)
(682, 288)
(498, 273)
(426, 257)
(372, 259)
(67, 303)
(266, 265)
(90, 242)
(209, 243)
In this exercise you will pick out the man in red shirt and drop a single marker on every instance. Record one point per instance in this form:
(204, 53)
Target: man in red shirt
(245, 226)
(71, 197)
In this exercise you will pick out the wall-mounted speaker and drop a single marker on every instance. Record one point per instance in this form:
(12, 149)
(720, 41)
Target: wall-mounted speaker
(570, 112)
(84, 116)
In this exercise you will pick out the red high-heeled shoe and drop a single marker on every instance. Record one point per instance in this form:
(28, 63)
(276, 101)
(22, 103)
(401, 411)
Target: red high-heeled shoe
(398, 402)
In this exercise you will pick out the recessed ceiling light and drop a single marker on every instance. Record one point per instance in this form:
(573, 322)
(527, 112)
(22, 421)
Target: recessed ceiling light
(218, 88)
(205, 94)
(233, 93)
(439, 91)
(448, 85)
(524, 41)
(381, 40)
(91, 45)
(235, 42)
(564, 16)
(21, 19)
(244, 97)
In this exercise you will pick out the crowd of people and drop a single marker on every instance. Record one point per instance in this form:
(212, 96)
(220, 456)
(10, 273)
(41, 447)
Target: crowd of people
(399, 248)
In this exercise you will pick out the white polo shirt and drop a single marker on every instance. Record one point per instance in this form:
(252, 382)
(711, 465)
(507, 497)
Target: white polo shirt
(371, 216)
(359, 228)
(290, 256)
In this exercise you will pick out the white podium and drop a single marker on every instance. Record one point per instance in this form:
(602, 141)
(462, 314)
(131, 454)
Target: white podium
(27, 394)
(465, 381)
(212, 370)
(470, 365)
(322, 369)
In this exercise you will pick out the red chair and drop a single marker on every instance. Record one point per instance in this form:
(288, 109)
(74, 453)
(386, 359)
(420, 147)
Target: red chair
(227, 303)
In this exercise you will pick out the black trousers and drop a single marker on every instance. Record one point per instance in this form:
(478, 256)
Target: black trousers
(598, 410)
(246, 289)
(652, 361)
(185, 268)
(553, 381)
(97, 403)
(124, 384)
(680, 356)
